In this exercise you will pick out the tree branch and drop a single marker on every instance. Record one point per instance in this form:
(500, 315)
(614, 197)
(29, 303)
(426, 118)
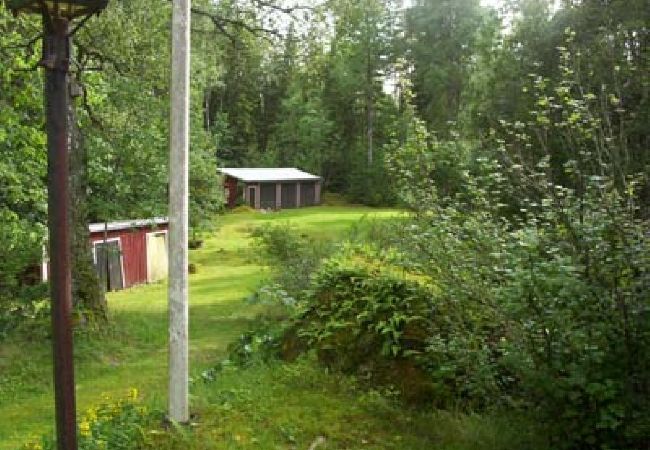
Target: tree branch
(221, 23)
(87, 54)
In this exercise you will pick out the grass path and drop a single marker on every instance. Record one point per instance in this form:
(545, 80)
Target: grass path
(134, 352)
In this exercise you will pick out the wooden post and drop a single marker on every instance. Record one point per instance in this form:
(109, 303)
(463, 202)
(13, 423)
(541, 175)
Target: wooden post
(56, 57)
(317, 192)
(298, 194)
(178, 210)
(278, 195)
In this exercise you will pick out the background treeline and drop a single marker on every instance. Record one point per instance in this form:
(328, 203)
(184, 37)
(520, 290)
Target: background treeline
(330, 94)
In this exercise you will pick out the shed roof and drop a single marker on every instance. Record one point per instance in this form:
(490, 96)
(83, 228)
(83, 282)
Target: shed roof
(127, 224)
(269, 174)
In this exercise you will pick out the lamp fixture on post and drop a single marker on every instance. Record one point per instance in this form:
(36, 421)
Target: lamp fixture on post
(57, 16)
(69, 9)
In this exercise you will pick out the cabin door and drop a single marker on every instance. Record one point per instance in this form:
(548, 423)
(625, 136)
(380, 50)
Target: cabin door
(252, 194)
(108, 263)
(157, 260)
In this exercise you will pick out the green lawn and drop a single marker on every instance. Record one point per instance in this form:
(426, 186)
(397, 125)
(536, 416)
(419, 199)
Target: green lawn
(282, 406)
(134, 352)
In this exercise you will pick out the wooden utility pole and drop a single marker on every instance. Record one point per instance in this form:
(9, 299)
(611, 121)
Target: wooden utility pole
(56, 56)
(178, 211)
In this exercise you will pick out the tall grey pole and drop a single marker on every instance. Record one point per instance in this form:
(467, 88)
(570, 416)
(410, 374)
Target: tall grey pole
(178, 210)
(56, 55)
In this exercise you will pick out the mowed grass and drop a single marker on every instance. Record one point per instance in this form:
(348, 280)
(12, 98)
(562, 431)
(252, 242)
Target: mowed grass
(133, 352)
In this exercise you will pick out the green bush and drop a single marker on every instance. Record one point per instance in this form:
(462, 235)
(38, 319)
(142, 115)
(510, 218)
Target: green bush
(575, 294)
(292, 254)
(21, 295)
(391, 330)
(552, 306)
(110, 425)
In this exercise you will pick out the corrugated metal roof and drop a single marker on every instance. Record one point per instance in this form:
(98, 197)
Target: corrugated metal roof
(127, 224)
(269, 174)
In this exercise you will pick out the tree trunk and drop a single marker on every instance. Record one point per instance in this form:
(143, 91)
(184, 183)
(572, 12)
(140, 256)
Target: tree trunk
(370, 111)
(88, 298)
(371, 131)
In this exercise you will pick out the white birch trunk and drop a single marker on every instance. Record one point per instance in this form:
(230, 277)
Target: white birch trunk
(178, 210)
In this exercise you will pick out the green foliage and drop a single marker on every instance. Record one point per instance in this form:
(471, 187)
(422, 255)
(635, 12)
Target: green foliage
(242, 407)
(25, 307)
(534, 248)
(367, 324)
(521, 152)
(547, 254)
(575, 277)
(119, 425)
(304, 124)
(259, 345)
(434, 343)
(20, 289)
(23, 165)
(295, 256)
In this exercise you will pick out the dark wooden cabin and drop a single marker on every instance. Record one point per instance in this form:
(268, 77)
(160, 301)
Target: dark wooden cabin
(271, 188)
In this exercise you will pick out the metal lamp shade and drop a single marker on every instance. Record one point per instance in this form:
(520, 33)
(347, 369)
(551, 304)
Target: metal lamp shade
(68, 9)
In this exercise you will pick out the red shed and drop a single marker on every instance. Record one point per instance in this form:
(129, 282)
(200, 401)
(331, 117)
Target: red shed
(130, 252)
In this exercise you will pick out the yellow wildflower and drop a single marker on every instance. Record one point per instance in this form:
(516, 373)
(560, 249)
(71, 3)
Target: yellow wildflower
(84, 428)
(133, 394)
(91, 415)
(115, 408)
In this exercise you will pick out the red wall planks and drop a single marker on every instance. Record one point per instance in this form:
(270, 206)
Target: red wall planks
(230, 184)
(133, 244)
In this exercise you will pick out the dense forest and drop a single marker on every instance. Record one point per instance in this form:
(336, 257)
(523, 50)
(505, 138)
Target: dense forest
(516, 137)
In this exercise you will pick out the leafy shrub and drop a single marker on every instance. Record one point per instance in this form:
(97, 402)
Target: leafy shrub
(391, 330)
(259, 345)
(554, 302)
(362, 323)
(20, 293)
(576, 297)
(23, 308)
(110, 425)
(294, 255)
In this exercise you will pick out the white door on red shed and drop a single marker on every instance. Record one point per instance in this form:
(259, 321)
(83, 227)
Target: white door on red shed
(156, 256)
